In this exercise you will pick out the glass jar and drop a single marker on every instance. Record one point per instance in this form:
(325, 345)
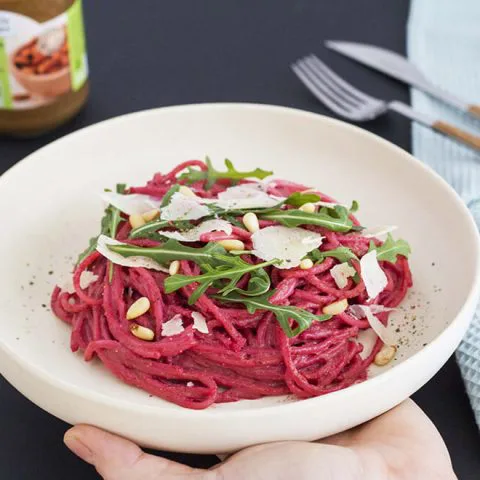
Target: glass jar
(43, 65)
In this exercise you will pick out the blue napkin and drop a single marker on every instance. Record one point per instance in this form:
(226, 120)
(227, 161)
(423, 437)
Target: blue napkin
(444, 42)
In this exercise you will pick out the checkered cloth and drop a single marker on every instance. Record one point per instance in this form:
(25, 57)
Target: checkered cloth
(444, 41)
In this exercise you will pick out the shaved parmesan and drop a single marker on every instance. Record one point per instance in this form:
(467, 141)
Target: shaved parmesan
(102, 247)
(341, 273)
(386, 335)
(183, 207)
(368, 339)
(86, 279)
(190, 384)
(195, 233)
(289, 245)
(378, 231)
(199, 199)
(372, 274)
(199, 322)
(173, 327)
(249, 195)
(66, 283)
(380, 309)
(134, 204)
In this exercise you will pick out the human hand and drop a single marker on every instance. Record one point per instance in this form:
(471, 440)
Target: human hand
(402, 444)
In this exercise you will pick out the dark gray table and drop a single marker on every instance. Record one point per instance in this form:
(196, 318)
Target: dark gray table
(151, 54)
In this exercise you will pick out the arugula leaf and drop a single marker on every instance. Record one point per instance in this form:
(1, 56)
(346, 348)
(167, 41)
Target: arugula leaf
(354, 207)
(212, 175)
(148, 228)
(303, 318)
(225, 267)
(92, 245)
(389, 250)
(258, 284)
(166, 198)
(298, 199)
(115, 220)
(115, 213)
(172, 250)
(231, 219)
(108, 226)
(183, 225)
(334, 219)
(151, 229)
(342, 254)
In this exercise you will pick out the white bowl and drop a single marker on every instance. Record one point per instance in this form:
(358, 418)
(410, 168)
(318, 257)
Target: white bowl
(50, 207)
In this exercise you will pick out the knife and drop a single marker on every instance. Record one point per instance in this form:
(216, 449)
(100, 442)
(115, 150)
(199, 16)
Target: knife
(399, 67)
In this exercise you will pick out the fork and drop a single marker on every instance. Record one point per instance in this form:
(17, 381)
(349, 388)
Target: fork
(351, 103)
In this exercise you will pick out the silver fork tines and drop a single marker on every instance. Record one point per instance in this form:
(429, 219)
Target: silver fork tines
(336, 93)
(349, 102)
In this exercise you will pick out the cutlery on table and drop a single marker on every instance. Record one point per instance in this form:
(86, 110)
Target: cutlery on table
(400, 68)
(349, 102)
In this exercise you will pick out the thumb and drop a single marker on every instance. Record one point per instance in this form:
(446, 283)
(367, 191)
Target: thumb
(116, 458)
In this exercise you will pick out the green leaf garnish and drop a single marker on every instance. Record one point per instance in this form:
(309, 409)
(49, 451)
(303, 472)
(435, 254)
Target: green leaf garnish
(334, 219)
(389, 250)
(166, 198)
(224, 267)
(92, 245)
(115, 219)
(172, 250)
(108, 226)
(342, 254)
(354, 207)
(149, 228)
(183, 225)
(231, 219)
(212, 175)
(303, 318)
(298, 199)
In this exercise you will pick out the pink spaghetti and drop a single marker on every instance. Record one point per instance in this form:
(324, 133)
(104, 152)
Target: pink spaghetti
(244, 355)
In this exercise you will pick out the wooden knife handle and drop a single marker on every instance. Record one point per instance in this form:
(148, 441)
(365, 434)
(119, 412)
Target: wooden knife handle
(457, 133)
(474, 110)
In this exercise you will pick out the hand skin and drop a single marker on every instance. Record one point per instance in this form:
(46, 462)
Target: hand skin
(402, 444)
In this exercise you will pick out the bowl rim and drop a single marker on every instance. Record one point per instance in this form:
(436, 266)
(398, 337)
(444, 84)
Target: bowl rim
(281, 407)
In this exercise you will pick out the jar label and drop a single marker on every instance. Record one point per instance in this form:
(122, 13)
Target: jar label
(39, 62)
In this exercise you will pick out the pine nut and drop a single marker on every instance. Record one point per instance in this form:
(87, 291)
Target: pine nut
(151, 215)
(250, 220)
(174, 267)
(306, 263)
(136, 220)
(229, 245)
(143, 333)
(385, 355)
(336, 307)
(188, 192)
(307, 208)
(137, 308)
